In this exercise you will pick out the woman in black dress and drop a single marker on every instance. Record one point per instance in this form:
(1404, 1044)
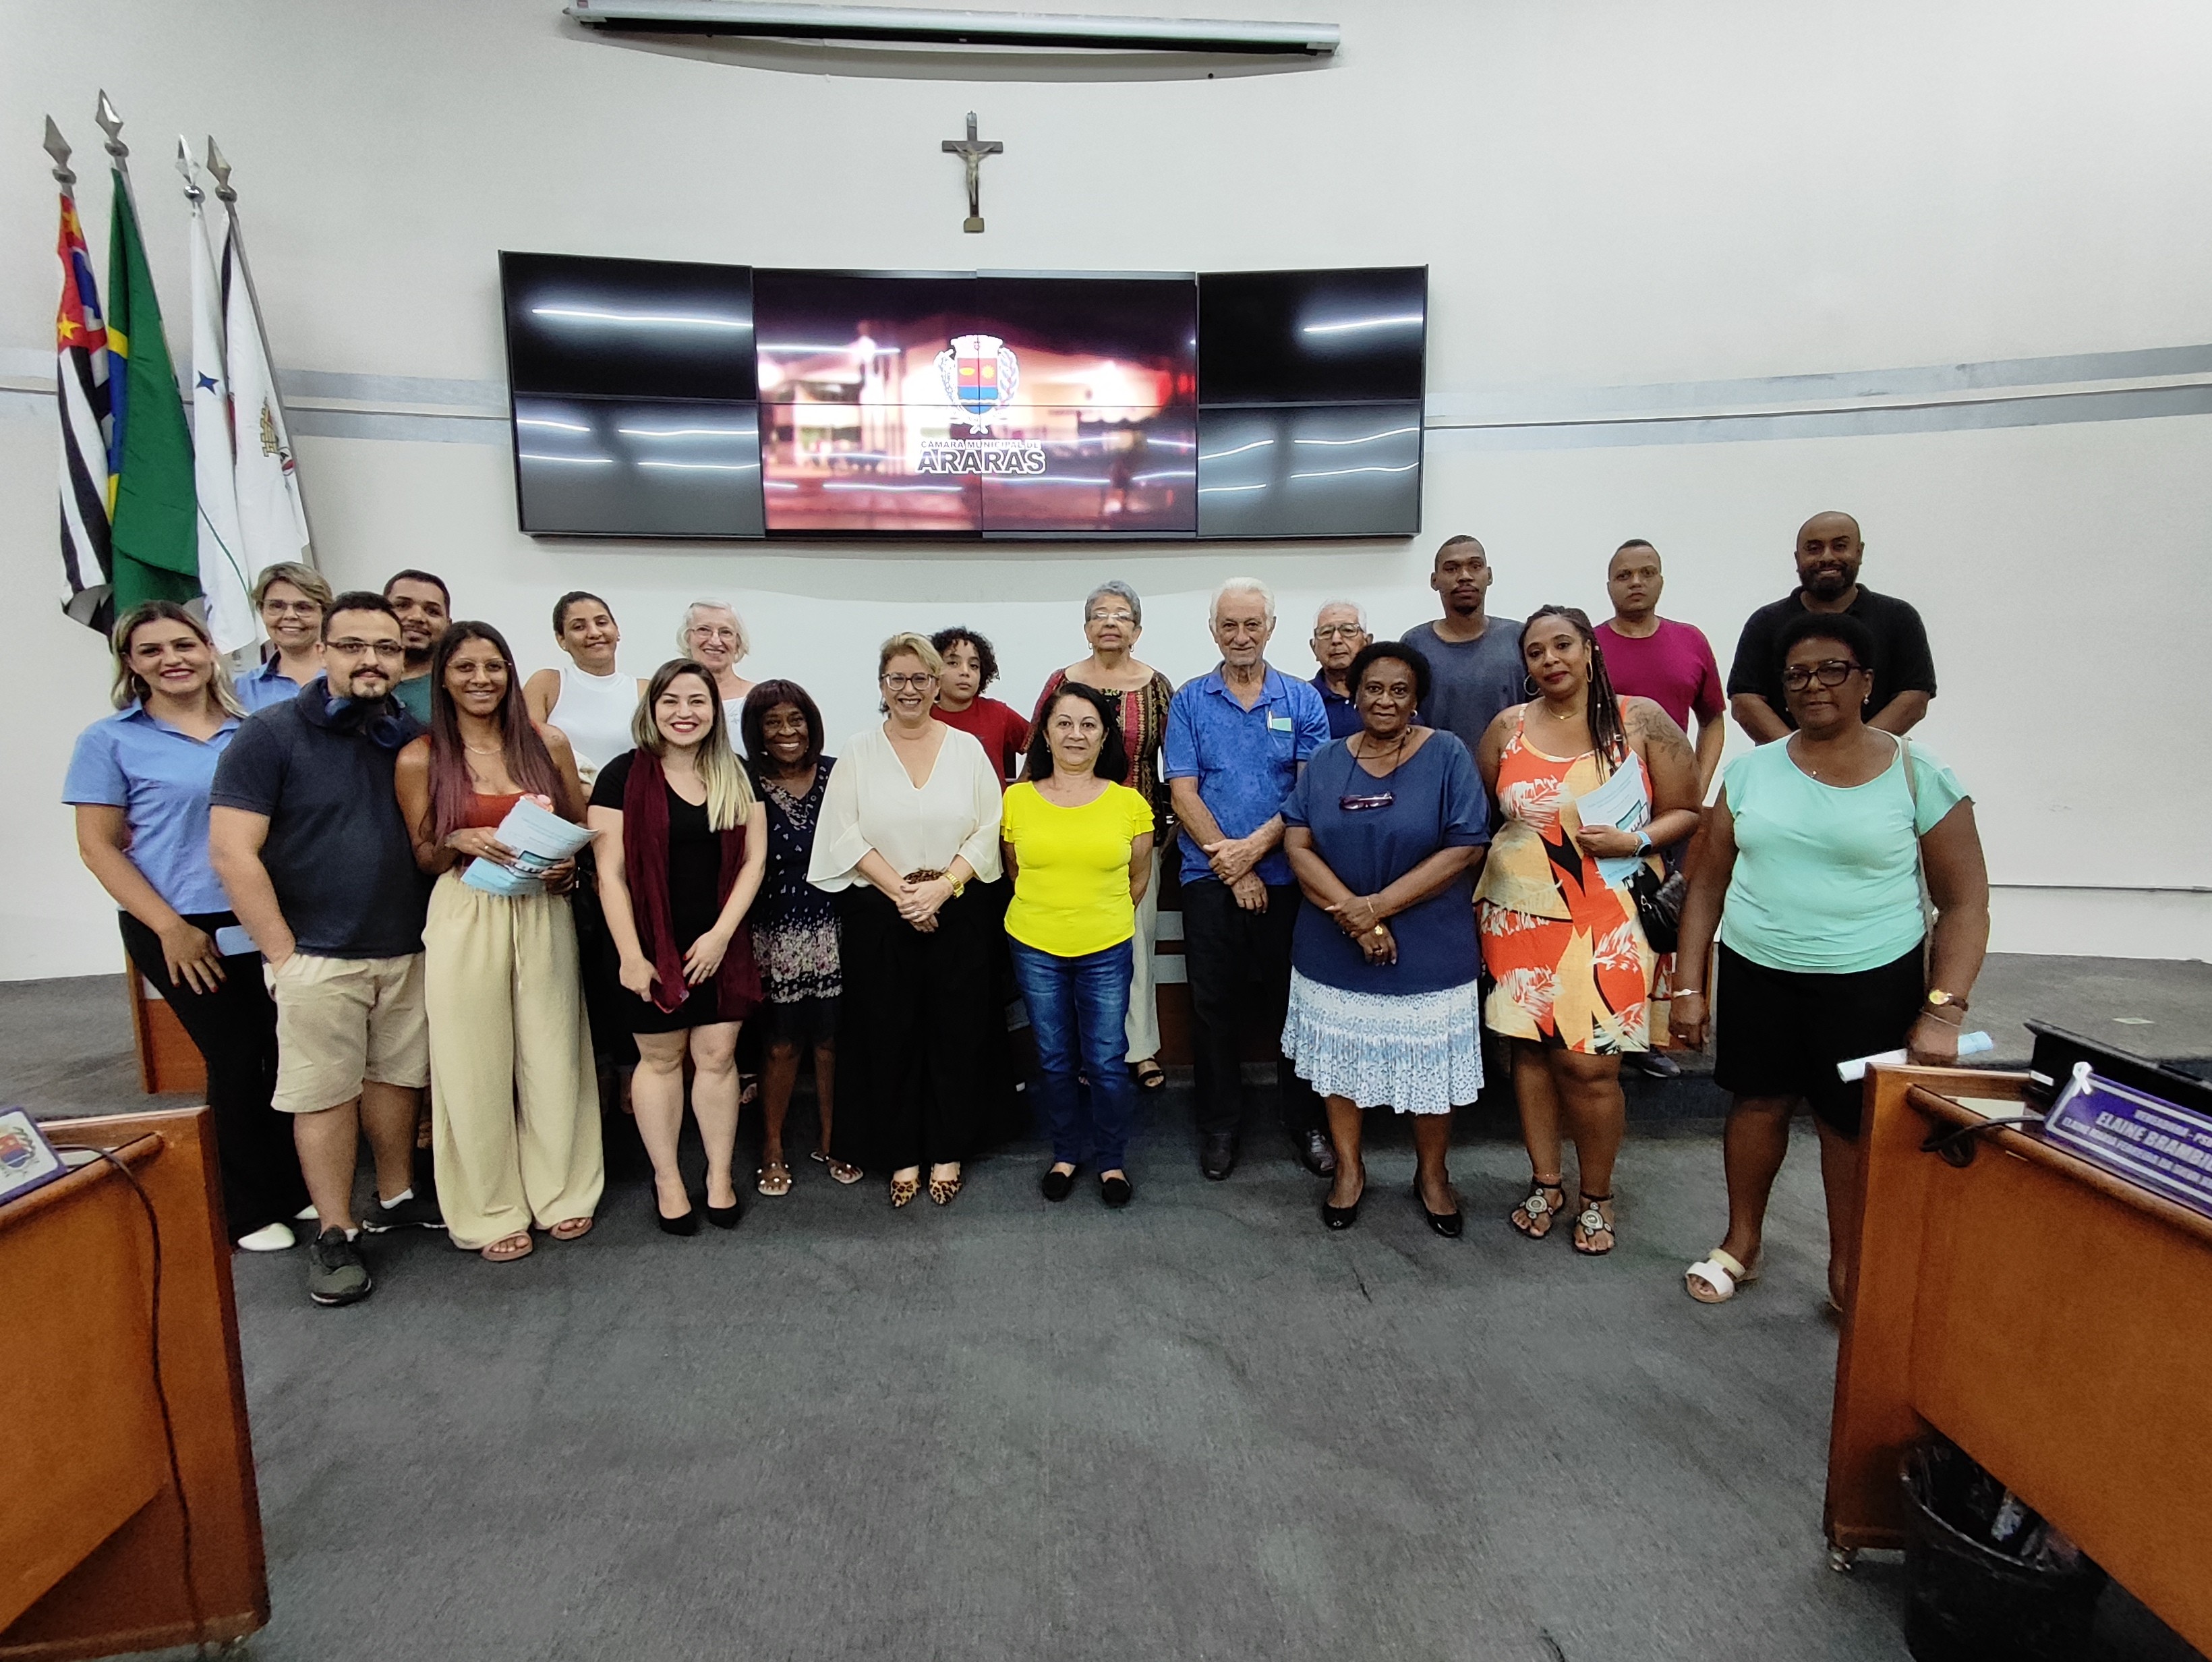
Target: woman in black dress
(682, 844)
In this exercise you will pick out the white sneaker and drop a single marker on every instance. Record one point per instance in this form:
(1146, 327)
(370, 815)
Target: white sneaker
(305, 1213)
(269, 1238)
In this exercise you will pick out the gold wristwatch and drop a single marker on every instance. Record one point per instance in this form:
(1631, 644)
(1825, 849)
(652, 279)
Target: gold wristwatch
(1940, 1000)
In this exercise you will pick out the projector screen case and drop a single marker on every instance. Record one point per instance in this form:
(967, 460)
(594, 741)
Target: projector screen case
(935, 27)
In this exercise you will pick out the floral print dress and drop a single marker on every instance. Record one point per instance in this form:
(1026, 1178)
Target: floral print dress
(1564, 948)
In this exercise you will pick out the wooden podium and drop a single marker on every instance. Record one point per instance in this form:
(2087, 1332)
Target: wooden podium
(99, 1552)
(2050, 1318)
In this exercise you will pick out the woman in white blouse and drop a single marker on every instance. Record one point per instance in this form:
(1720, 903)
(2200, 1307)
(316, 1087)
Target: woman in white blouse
(909, 819)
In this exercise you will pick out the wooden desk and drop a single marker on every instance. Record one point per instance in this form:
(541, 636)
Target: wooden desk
(91, 1535)
(2051, 1319)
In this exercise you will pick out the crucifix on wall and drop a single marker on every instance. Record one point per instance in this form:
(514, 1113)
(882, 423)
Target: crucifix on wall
(972, 150)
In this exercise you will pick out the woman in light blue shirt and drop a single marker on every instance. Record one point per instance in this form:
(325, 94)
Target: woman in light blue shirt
(1817, 846)
(139, 782)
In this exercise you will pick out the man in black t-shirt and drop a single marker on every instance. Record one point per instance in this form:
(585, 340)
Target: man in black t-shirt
(305, 833)
(1829, 550)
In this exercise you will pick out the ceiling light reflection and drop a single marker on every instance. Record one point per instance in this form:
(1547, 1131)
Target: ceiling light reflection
(641, 319)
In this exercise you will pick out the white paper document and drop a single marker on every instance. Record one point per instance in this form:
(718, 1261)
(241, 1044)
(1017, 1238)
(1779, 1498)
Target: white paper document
(1622, 802)
(540, 838)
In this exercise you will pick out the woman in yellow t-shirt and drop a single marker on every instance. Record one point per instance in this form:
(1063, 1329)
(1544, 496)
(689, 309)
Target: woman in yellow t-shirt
(1079, 846)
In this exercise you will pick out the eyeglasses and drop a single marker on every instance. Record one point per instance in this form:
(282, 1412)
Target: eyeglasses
(1833, 672)
(295, 608)
(902, 683)
(1112, 617)
(359, 648)
(1344, 631)
(1366, 804)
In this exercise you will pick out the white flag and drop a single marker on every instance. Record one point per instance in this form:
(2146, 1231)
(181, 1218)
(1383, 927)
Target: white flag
(271, 518)
(226, 580)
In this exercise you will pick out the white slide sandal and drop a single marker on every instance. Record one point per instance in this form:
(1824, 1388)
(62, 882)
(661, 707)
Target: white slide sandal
(1721, 1274)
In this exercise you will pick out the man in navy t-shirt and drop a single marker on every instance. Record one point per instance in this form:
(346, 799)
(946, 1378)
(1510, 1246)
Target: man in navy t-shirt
(305, 833)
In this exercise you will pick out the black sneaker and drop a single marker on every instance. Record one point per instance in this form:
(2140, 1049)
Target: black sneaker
(335, 1274)
(413, 1213)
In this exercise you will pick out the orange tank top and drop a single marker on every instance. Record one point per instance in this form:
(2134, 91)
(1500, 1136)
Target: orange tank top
(486, 812)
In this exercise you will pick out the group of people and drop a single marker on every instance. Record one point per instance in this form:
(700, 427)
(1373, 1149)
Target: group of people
(1378, 866)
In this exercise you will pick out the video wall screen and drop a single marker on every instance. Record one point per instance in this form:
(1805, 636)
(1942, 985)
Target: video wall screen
(660, 399)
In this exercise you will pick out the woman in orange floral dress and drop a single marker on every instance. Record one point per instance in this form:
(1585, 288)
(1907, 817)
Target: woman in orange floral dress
(1563, 944)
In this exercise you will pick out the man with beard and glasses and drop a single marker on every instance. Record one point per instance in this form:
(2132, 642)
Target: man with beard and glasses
(1829, 550)
(306, 834)
(424, 607)
(1475, 659)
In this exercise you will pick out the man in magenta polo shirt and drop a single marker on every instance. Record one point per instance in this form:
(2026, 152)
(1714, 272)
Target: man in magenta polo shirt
(1672, 664)
(1652, 657)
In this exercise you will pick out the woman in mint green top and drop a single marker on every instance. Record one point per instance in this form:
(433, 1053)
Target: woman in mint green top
(1809, 867)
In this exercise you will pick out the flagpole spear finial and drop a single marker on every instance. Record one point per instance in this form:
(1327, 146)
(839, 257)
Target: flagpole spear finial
(58, 146)
(219, 165)
(193, 194)
(111, 125)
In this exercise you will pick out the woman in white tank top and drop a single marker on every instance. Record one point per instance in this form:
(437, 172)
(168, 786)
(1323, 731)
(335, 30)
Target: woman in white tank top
(589, 700)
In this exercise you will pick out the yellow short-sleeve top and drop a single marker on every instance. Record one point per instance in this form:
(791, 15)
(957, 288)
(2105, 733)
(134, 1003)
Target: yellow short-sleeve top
(1072, 871)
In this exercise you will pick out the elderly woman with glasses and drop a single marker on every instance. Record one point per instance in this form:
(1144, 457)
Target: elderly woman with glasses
(908, 822)
(1384, 831)
(1817, 847)
(714, 634)
(1113, 622)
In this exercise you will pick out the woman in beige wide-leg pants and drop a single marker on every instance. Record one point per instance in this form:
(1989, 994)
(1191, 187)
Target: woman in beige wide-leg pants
(514, 1099)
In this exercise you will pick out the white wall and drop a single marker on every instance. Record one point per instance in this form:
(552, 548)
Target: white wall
(1683, 259)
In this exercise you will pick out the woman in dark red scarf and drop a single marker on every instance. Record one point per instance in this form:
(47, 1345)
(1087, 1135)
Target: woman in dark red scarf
(682, 844)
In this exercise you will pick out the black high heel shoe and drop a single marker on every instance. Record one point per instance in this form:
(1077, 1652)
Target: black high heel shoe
(723, 1217)
(1342, 1217)
(686, 1223)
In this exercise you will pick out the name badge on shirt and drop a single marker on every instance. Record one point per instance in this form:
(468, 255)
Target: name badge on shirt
(1279, 723)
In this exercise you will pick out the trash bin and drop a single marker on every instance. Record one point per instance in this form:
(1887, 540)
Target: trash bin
(1985, 1579)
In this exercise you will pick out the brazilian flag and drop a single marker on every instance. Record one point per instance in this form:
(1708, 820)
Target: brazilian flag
(156, 538)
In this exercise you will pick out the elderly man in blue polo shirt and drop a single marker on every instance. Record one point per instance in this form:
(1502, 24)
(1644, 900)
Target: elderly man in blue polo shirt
(1236, 740)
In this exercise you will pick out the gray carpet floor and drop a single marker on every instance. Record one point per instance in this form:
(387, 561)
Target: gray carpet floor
(1200, 1428)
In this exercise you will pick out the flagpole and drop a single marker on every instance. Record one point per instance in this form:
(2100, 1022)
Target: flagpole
(219, 166)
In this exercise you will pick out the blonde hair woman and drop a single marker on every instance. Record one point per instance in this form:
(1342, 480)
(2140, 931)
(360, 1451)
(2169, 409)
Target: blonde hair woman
(139, 782)
(682, 847)
(910, 820)
(292, 600)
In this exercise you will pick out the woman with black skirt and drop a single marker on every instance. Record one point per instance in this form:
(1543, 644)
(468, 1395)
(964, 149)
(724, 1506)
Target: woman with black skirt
(681, 847)
(910, 820)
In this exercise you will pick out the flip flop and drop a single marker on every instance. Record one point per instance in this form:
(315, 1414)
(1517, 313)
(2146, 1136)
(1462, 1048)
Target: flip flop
(838, 1169)
(773, 1180)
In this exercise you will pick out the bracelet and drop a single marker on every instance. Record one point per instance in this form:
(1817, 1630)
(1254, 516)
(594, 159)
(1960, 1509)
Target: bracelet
(1687, 992)
(1932, 1010)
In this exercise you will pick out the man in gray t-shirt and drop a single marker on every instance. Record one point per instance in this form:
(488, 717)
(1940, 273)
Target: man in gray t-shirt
(1474, 660)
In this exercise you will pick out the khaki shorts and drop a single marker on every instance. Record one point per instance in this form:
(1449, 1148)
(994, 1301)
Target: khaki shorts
(341, 1021)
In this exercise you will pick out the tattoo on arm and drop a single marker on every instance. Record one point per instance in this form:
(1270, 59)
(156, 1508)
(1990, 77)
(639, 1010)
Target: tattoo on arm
(1662, 738)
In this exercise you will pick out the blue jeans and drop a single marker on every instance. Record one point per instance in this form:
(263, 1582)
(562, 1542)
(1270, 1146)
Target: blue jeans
(1077, 1008)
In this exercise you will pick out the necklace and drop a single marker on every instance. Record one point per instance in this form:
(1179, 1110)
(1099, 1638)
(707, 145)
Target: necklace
(484, 750)
(1568, 715)
(1397, 751)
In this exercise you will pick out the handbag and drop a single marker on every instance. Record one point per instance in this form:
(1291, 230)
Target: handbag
(1658, 905)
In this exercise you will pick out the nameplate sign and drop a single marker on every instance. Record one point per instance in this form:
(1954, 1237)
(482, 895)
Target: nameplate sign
(2167, 1150)
(27, 1160)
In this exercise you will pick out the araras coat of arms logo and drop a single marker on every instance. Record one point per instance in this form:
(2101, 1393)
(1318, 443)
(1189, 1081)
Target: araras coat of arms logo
(979, 373)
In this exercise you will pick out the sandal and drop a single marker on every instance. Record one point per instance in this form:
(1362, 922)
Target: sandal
(1151, 1076)
(509, 1248)
(1720, 1274)
(843, 1171)
(1532, 1217)
(570, 1228)
(772, 1178)
(1590, 1222)
(942, 1190)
